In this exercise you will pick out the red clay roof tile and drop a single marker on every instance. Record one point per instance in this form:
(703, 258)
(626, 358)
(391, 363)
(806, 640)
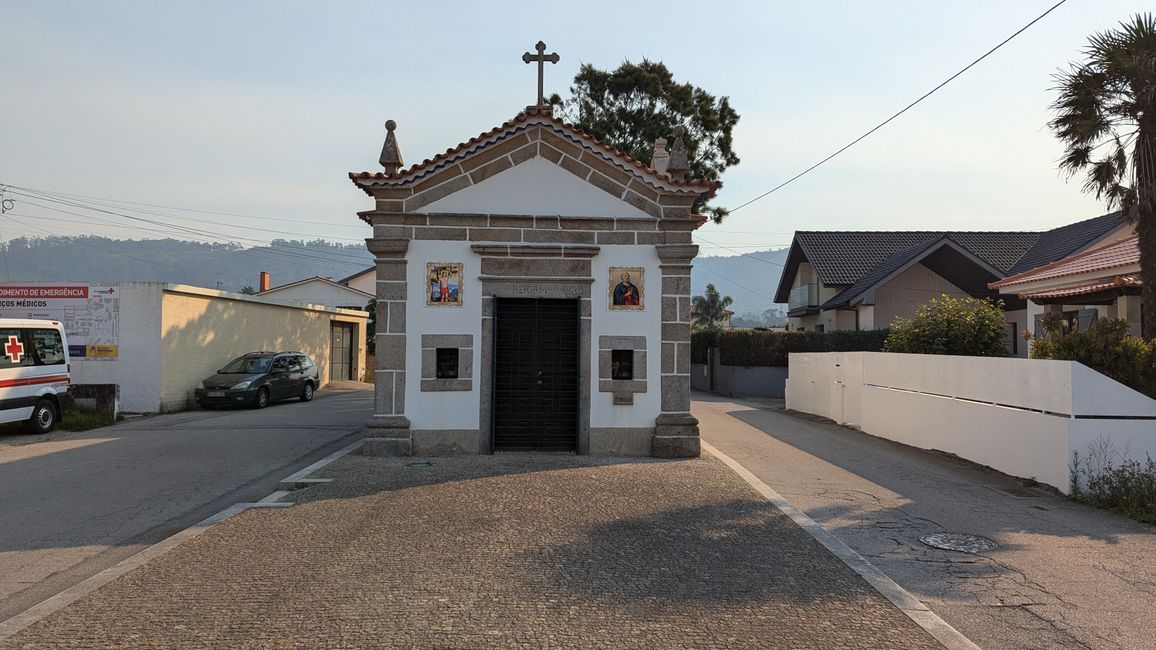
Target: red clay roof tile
(533, 111)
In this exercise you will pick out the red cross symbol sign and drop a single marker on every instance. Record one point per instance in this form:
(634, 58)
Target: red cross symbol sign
(14, 349)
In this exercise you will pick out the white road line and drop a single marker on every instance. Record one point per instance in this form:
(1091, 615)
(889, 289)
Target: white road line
(299, 477)
(86, 587)
(950, 637)
(74, 593)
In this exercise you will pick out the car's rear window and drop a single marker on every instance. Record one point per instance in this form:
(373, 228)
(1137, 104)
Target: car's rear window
(247, 366)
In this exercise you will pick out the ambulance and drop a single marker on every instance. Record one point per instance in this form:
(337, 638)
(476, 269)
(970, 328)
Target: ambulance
(34, 373)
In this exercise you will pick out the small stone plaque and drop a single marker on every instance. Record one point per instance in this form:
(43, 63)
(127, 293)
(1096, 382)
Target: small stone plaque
(623, 399)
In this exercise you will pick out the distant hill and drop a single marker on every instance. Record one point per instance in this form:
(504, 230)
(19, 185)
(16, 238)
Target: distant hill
(227, 266)
(727, 273)
(231, 267)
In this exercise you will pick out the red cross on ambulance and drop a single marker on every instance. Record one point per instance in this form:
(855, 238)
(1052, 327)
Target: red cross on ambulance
(14, 349)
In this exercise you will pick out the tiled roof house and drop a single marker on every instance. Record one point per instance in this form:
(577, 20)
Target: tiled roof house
(1106, 275)
(864, 280)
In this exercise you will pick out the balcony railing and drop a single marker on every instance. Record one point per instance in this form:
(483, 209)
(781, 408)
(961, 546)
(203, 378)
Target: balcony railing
(806, 295)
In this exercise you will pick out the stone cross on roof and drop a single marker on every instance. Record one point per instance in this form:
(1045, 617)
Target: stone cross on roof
(541, 57)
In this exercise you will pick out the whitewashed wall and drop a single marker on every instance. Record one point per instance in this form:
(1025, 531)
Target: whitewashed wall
(1024, 417)
(451, 409)
(608, 322)
(318, 292)
(137, 368)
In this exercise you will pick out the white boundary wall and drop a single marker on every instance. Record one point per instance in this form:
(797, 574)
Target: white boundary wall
(1024, 417)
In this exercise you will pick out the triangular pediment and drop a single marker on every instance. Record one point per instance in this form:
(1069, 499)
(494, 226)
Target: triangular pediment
(535, 187)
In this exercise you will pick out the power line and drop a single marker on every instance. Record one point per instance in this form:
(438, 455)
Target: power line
(210, 235)
(47, 196)
(173, 207)
(744, 287)
(900, 112)
(759, 259)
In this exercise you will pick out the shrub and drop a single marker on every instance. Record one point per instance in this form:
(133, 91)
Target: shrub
(946, 325)
(839, 341)
(750, 348)
(1106, 347)
(765, 348)
(700, 342)
(1105, 480)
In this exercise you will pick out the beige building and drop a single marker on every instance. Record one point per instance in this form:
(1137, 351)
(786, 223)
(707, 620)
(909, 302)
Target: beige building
(171, 336)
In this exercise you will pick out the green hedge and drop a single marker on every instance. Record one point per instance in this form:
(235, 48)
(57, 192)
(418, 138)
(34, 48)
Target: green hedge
(759, 348)
(700, 342)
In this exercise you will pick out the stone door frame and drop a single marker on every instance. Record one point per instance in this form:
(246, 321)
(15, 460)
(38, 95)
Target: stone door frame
(535, 271)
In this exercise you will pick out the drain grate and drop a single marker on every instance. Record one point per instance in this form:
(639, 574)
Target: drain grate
(961, 542)
(424, 463)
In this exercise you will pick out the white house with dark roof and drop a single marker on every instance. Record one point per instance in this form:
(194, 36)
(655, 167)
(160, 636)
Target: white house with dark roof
(838, 280)
(319, 290)
(533, 293)
(364, 280)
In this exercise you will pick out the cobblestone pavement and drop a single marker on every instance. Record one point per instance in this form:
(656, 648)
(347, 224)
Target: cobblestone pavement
(504, 551)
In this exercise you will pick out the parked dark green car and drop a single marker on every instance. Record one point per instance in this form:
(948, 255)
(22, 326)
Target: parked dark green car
(259, 378)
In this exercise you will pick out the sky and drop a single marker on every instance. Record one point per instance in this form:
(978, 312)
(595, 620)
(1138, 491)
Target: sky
(261, 108)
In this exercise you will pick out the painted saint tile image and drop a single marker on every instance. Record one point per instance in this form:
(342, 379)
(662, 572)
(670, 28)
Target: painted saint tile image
(443, 284)
(626, 287)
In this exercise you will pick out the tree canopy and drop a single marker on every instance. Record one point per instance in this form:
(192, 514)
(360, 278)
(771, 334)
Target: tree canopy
(708, 311)
(634, 105)
(1105, 115)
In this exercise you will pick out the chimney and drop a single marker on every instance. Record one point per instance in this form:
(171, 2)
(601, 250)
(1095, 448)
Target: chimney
(661, 158)
(390, 155)
(264, 284)
(679, 166)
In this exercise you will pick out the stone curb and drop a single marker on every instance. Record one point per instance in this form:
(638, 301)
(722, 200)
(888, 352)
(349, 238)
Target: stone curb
(74, 593)
(947, 635)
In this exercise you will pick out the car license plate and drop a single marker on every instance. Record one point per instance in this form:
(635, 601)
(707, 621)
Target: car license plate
(216, 393)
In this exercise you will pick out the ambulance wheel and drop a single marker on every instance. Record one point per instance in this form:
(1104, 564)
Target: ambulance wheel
(262, 399)
(43, 417)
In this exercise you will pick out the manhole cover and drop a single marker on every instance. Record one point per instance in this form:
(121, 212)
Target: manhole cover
(959, 542)
(419, 464)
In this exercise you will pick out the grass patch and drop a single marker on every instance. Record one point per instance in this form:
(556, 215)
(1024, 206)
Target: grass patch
(83, 419)
(75, 419)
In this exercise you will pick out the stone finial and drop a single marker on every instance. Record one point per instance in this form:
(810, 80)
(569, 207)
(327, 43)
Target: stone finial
(679, 166)
(661, 158)
(390, 155)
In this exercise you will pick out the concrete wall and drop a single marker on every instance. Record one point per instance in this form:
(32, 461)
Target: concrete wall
(137, 368)
(738, 381)
(318, 292)
(742, 381)
(201, 330)
(1024, 417)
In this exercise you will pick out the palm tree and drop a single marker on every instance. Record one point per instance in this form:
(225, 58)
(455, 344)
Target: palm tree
(1110, 99)
(708, 311)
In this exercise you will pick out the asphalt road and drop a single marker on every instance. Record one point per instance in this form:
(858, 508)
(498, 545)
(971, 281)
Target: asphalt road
(1063, 576)
(79, 503)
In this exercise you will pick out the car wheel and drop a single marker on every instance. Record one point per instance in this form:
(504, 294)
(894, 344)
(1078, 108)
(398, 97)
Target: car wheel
(307, 392)
(262, 398)
(43, 417)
